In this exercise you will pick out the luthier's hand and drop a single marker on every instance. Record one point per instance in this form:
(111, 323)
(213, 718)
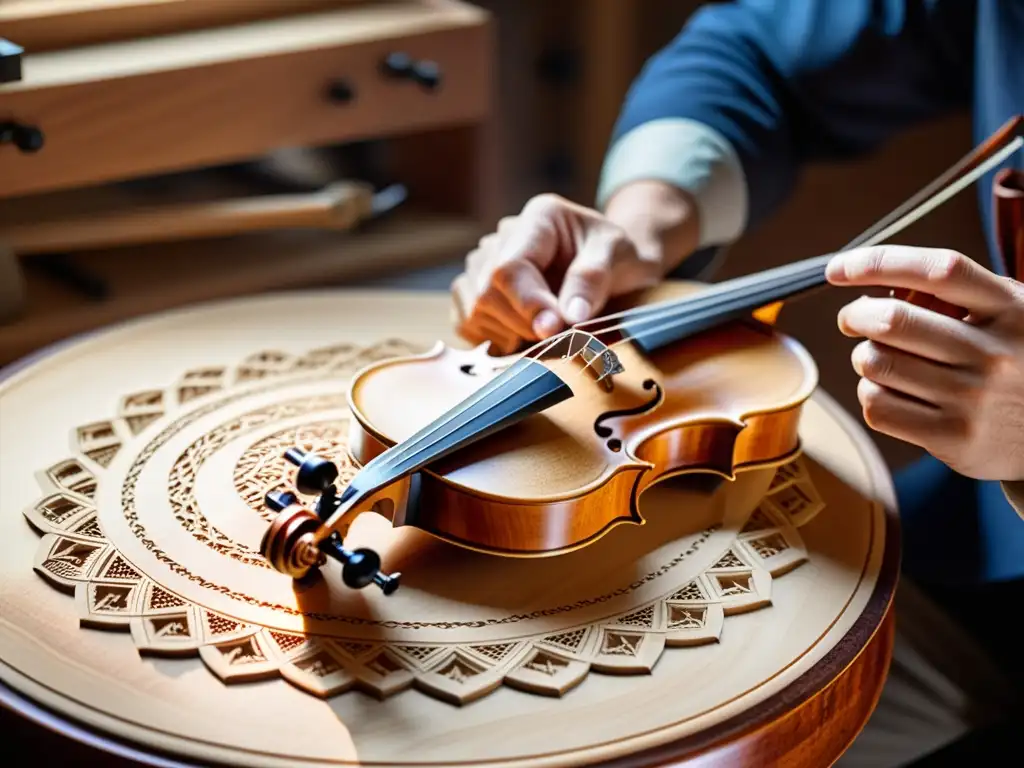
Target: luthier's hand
(953, 387)
(557, 263)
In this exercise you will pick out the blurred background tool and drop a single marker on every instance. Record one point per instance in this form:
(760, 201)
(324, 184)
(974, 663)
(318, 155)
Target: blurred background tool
(341, 206)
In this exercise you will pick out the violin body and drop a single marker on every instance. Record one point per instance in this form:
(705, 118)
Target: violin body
(723, 401)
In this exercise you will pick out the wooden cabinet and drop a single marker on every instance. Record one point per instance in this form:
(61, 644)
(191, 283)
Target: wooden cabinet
(202, 90)
(131, 108)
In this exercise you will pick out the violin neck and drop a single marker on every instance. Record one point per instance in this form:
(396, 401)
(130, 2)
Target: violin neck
(655, 327)
(523, 389)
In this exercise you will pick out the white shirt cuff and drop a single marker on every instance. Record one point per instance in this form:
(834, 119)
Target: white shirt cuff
(688, 155)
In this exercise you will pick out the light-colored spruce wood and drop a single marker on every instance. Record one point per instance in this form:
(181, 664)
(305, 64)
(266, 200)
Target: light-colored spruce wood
(171, 102)
(139, 456)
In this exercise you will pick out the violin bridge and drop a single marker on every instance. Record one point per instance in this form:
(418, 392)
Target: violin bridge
(603, 362)
(598, 359)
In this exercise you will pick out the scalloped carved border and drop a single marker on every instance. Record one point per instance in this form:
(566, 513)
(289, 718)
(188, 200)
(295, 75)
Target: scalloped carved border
(111, 593)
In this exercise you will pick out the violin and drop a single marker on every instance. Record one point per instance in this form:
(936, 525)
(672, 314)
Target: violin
(543, 452)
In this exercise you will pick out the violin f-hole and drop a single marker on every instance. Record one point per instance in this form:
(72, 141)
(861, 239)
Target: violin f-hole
(473, 369)
(606, 432)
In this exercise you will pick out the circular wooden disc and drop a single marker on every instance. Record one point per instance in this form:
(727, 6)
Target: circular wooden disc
(135, 603)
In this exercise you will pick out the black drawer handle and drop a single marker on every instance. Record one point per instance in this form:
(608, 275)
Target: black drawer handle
(26, 138)
(401, 66)
(340, 91)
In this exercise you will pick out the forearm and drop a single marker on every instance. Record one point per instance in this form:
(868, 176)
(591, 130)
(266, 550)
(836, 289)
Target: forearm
(662, 221)
(676, 186)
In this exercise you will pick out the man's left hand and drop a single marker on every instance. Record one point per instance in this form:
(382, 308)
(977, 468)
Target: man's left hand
(954, 387)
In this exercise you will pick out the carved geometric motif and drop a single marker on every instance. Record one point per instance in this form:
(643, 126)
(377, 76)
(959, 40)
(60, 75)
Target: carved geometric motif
(142, 409)
(111, 592)
(687, 617)
(797, 502)
(263, 468)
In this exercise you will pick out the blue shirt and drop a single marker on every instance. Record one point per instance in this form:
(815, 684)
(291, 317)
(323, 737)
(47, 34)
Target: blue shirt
(751, 91)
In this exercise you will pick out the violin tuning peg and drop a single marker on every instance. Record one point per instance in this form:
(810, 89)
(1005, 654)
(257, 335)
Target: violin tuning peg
(387, 583)
(288, 543)
(295, 455)
(315, 474)
(280, 500)
(361, 567)
(288, 546)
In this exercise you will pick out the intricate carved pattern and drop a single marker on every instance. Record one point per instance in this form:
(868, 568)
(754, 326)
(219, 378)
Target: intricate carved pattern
(182, 481)
(263, 468)
(142, 409)
(111, 592)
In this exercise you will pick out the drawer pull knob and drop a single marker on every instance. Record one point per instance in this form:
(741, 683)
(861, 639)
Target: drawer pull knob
(427, 74)
(401, 66)
(397, 65)
(340, 92)
(27, 138)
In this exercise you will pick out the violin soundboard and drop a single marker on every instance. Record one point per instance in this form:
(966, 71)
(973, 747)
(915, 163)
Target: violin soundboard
(135, 605)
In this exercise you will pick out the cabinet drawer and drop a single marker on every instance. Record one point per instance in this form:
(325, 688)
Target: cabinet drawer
(127, 109)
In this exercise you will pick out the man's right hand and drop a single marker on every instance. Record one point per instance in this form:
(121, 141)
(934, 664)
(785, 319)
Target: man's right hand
(557, 263)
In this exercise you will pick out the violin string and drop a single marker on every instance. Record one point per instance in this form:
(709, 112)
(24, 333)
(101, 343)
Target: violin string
(413, 443)
(1012, 133)
(808, 268)
(938, 199)
(1012, 128)
(738, 304)
(399, 452)
(875, 234)
(732, 296)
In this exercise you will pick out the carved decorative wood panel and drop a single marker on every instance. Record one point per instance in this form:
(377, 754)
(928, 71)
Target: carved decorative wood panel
(176, 477)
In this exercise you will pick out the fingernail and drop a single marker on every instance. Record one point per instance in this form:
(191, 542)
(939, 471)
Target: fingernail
(577, 310)
(546, 323)
(857, 359)
(834, 271)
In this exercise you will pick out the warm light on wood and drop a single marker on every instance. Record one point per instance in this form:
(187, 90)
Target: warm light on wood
(770, 313)
(146, 527)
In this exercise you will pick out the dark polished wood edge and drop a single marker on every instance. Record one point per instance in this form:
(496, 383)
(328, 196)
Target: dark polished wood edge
(765, 731)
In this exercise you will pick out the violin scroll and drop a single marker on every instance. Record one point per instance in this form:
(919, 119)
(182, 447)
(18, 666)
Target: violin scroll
(290, 544)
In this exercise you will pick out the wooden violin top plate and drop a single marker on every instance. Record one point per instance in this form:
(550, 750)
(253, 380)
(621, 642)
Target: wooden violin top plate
(134, 602)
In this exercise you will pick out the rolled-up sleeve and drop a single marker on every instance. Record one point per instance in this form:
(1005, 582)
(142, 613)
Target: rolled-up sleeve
(691, 156)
